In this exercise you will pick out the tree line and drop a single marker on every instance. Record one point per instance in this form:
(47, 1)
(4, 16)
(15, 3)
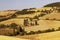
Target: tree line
(21, 31)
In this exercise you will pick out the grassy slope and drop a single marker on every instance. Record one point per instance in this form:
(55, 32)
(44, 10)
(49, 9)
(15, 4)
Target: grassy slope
(43, 25)
(10, 38)
(14, 20)
(56, 4)
(51, 16)
(4, 13)
(45, 36)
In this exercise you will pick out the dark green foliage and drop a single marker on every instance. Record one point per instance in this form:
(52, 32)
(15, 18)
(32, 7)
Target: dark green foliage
(2, 26)
(13, 25)
(24, 11)
(21, 30)
(13, 16)
(38, 32)
(31, 32)
(9, 34)
(38, 10)
(3, 18)
(54, 18)
(58, 10)
(23, 33)
(58, 29)
(42, 14)
(50, 30)
(36, 17)
(26, 23)
(56, 4)
(36, 23)
(47, 18)
(31, 8)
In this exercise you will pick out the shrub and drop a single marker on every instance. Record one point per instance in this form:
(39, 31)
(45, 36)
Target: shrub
(24, 11)
(38, 32)
(31, 32)
(48, 30)
(13, 26)
(8, 34)
(23, 33)
(52, 29)
(42, 14)
(36, 17)
(26, 22)
(54, 18)
(58, 29)
(47, 18)
(38, 10)
(2, 26)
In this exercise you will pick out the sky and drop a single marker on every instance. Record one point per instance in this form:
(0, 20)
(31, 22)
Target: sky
(23, 4)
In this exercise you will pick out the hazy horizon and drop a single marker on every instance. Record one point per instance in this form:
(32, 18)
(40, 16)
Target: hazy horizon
(23, 4)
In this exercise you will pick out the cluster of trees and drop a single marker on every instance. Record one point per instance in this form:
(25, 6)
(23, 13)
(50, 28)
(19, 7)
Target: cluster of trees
(43, 12)
(17, 29)
(30, 22)
(21, 31)
(40, 15)
(58, 10)
(39, 31)
(24, 11)
(3, 18)
(52, 19)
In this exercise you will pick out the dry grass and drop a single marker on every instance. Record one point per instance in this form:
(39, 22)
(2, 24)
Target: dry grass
(45, 36)
(4, 13)
(10, 38)
(43, 25)
(52, 16)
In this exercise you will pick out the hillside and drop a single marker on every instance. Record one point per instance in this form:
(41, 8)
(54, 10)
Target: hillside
(10, 38)
(21, 22)
(52, 16)
(56, 4)
(44, 36)
(30, 13)
(7, 12)
(43, 24)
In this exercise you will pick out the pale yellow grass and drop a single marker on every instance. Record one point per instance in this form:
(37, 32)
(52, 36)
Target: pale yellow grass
(15, 20)
(51, 16)
(10, 38)
(43, 24)
(44, 36)
(3, 13)
(30, 15)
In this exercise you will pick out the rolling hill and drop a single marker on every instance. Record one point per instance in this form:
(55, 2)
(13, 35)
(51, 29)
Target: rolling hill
(10, 38)
(52, 16)
(44, 36)
(53, 21)
(56, 4)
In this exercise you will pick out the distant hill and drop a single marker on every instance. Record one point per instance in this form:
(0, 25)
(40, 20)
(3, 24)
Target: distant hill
(56, 4)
